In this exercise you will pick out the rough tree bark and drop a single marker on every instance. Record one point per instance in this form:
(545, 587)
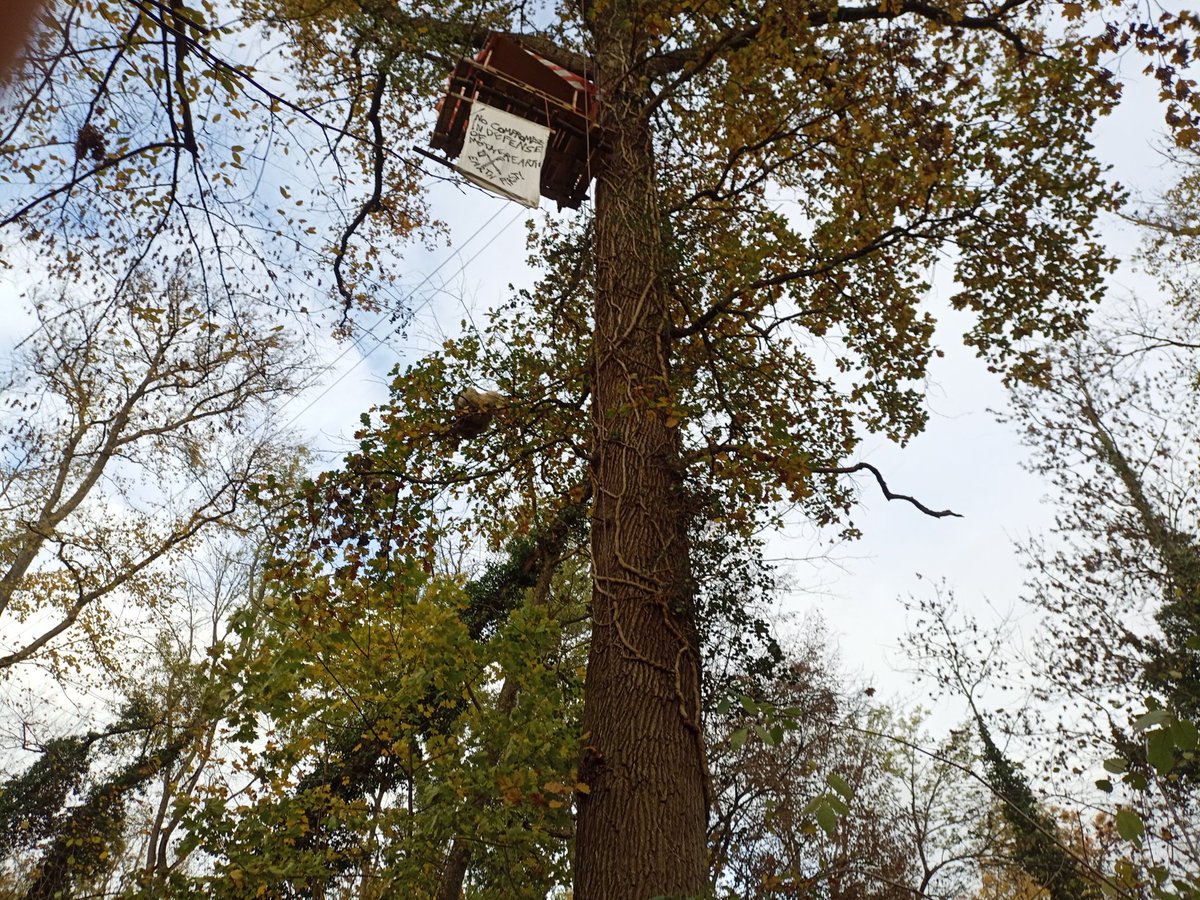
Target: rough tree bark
(641, 827)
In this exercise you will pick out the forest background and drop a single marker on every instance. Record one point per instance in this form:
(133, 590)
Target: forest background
(231, 752)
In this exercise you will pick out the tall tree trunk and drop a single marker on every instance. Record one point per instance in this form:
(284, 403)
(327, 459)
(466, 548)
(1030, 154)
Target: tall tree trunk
(1172, 664)
(641, 828)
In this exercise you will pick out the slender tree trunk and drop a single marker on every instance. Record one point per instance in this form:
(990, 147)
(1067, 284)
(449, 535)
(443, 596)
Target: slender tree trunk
(549, 555)
(458, 860)
(641, 828)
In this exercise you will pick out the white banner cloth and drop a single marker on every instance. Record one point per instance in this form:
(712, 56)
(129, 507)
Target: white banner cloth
(504, 153)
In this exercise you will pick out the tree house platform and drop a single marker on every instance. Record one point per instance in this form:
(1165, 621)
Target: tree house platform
(506, 76)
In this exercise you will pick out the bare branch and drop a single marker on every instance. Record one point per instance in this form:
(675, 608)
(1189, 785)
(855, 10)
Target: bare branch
(887, 492)
(372, 203)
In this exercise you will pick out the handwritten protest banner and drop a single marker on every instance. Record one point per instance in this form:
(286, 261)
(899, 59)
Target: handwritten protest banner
(504, 153)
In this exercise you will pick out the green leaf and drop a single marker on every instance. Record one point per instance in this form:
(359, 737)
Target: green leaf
(838, 783)
(826, 818)
(1185, 734)
(1116, 765)
(1129, 826)
(1160, 751)
(737, 740)
(1105, 785)
(1151, 718)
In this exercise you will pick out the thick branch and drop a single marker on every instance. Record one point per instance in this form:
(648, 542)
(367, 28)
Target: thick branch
(372, 203)
(109, 162)
(181, 89)
(725, 304)
(1174, 227)
(211, 513)
(887, 492)
(689, 61)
